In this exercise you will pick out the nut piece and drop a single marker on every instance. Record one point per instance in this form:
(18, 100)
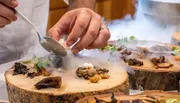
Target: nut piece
(45, 72)
(95, 79)
(134, 62)
(105, 76)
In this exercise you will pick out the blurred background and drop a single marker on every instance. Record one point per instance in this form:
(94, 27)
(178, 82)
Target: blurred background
(109, 9)
(144, 19)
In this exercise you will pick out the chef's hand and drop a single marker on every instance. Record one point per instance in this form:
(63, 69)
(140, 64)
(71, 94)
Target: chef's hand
(81, 23)
(6, 13)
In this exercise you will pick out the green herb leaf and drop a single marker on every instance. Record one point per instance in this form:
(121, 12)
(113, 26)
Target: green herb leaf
(41, 63)
(176, 50)
(113, 48)
(172, 100)
(132, 38)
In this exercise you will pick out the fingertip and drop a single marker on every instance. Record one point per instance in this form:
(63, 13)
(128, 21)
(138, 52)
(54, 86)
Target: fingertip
(54, 34)
(75, 51)
(69, 43)
(14, 3)
(15, 18)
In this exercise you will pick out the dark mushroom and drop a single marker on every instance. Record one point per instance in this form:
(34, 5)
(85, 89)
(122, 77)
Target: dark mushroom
(134, 62)
(50, 82)
(161, 62)
(31, 75)
(20, 69)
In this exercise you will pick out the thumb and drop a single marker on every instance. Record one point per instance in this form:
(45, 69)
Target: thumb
(10, 3)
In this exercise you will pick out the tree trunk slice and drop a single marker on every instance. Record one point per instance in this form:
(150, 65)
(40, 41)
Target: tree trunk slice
(120, 96)
(148, 77)
(21, 89)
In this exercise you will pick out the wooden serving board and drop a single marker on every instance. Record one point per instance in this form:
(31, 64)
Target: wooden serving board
(21, 89)
(120, 96)
(148, 77)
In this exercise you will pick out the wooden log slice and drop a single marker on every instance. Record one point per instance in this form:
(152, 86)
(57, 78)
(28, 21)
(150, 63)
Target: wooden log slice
(149, 77)
(146, 97)
(21, 89)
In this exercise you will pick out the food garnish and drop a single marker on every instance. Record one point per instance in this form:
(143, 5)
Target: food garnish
(91, 73)
(50, 82)
(176, 50)
(31, 74)
(134, 62)
(161, 62)
(20, 69)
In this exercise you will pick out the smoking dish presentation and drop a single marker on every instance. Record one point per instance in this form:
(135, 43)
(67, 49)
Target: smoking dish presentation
(53, 79)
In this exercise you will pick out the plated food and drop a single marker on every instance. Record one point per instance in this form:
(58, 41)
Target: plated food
(89, 72)
(146, 97)
(155, 65)
(39, 80)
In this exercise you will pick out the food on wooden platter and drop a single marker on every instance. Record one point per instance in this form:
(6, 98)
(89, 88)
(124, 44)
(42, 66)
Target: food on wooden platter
(146, 97)
(155, 65)
(40, 81)
(94, 74)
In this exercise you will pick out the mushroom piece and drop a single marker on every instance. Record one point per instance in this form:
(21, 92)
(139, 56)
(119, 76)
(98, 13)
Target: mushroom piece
(105, 76)
(20, 69)
(134, 62)
(53, 82)
(164, 65)
(161, 62)
(31, 75)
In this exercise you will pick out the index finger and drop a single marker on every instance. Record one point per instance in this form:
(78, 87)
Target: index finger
(79, 28)
(10, 3)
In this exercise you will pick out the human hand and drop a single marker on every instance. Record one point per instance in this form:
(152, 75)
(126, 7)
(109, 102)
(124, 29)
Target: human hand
(7, 14)
(81, 23)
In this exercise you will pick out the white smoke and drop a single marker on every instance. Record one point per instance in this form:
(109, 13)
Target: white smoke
(142, 27)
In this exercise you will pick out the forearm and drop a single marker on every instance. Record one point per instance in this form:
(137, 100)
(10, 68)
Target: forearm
(82, 3)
